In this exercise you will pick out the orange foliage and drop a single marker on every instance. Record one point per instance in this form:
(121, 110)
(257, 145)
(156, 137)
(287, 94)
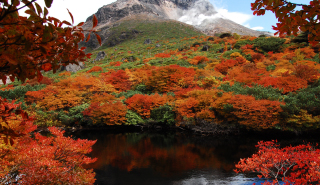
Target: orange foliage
(166, 78)
(8, 87)
(247, 74)
(257, 57)
(35, 96)
(256, 114)
(198, 60)
(119, 79)
(187, 107)
(117, 63)
(306, 72)
(225, 65)
(27, 155)
(286, 83)
(63, 99)
(143, 104)
(66, 73)
(35, 81)
(162, 55)
(95, 69)
(110, 112)
(307, 52)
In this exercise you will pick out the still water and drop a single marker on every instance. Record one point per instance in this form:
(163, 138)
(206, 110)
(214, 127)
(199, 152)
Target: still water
(173, 158)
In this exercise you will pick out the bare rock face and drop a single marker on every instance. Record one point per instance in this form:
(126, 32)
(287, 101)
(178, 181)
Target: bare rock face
(100, 56)
(147, 41)
(221, 25)
(73, 67)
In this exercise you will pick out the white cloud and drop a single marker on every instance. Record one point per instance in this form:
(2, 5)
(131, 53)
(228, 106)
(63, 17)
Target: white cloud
(257, 28)
(80, 9)
(237, 17)
(254, 28)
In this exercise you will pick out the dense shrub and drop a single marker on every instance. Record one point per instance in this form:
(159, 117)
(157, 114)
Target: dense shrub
(73, 116)
(223, 35)
(269, 44)
(133, 118)
(241, 43)
(20, 91)
(163, 114)
(307, 99)
(257, 91)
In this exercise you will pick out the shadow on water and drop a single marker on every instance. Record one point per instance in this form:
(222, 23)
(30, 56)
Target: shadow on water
(173, 158)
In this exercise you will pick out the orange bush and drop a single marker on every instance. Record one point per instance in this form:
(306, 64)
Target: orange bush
(255, 114)
(119, 79)
(95, 69)
(117, 63)
(225, 65)
(66, 73)
(34, 96)
(111, 112)
(306, 72)
(45, 80)
(257, 57)
(307, 52)
(63, 99)
(187, 107)
(286, 83)
(198, 60)
(143, 104)
(162, 55)
(166, 78)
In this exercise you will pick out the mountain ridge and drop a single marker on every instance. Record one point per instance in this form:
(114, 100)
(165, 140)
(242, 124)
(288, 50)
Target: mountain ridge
(201, 14)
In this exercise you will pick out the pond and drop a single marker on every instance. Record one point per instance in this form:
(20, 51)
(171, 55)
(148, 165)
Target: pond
(173, 158)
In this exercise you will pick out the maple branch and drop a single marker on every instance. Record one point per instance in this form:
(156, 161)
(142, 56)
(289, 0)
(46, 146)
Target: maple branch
(5, 13)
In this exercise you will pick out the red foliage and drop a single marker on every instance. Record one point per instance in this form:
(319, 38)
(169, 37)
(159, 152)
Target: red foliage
(247, 46)
(187, 107)
(143, 104)
(37, 41)
(247, 74)
(162, 55)
(257, 114)
(117, 63)
(35, 96)
(292, 165)
(167, 78)
(35, 81)
(286, 83)
(257, 57)
(110, 112)
(119, 79)
(306, 72)
(198, 60)
(95, 69)
(225, 65)
(46, 67)
(182, 93)
(39, 159)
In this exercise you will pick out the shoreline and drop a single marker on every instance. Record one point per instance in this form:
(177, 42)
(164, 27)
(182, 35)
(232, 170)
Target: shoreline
(204, 129)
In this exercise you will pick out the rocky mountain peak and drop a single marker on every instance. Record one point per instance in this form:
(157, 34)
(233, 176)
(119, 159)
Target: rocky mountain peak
(199, 13)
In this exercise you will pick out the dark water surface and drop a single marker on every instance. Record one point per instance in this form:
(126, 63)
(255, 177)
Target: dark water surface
(173, 158)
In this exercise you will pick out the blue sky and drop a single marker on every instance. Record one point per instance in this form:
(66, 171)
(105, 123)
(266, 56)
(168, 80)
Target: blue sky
(242, 8)
(236, 10)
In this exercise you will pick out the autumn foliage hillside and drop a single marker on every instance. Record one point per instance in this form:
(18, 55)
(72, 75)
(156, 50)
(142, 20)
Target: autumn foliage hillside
(255, 83)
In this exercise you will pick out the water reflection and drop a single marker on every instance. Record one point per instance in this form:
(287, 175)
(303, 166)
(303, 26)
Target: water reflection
(169, 158)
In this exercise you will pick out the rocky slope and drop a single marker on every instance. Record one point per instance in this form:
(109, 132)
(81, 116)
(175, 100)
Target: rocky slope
(199, 13)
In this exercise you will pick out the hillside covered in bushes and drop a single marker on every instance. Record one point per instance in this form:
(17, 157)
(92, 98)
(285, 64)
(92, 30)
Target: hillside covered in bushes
(249, 82)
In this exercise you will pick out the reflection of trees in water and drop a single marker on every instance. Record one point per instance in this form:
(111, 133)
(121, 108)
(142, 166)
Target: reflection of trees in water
(167, 154)
(171, 153)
